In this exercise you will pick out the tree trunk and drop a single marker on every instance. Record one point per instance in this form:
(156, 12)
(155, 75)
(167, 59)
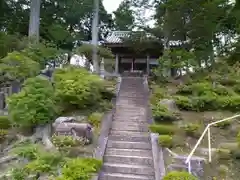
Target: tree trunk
(33, 31)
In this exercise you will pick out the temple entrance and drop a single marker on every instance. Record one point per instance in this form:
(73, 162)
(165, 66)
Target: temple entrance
(132, 65)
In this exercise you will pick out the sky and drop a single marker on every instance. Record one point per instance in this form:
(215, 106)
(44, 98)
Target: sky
(111, 5)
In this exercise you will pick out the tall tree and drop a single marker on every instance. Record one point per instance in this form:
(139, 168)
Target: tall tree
(34, 21)
(124, 16)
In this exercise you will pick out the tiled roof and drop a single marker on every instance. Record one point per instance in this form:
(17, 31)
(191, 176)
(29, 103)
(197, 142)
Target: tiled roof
(115, 37)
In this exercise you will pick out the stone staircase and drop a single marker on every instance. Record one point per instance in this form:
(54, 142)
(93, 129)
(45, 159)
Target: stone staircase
(128, 155)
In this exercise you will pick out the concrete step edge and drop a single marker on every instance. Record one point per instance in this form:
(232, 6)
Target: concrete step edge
(130, 176)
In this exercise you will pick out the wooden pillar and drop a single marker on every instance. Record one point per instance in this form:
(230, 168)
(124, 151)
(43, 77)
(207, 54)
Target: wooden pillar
(132, 65)
(148, 68)
(117, 64)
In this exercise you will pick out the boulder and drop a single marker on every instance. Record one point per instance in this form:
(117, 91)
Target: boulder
(170, 104)
(63, 119)
(76, 130)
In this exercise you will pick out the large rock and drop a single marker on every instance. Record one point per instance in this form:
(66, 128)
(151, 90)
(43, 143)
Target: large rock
(170, 104)
(75, 129)
(63, 120)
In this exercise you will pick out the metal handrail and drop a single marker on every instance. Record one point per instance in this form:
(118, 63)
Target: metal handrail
(207, 129)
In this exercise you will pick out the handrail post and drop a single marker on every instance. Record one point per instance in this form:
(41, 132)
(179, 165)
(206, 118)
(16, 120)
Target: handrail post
(189, 167)
(209, 146)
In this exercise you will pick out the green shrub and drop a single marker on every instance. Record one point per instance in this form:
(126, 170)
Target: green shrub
(163, 129)
(157, 95)
(223, 124)
(62, 141)
(165, 141)
(18, 174)
(28, 151)
(34, 105)
(207, 102)
(203, 88)
(4, 122)
(95, 119)
(46, 162)
(80, 168)
(178, 175)
(183, 103)
(3, 135)
(192, 129)
(205, 95)
(161, 113)
(223, 154)
(76, 87)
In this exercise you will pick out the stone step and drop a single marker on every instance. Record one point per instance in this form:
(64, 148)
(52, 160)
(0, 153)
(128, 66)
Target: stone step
(129, 123)
(127, 152)
(128, 169)
(133, 160)
(129, 133)
(129, 138)
(129, 145)
(119, 176)
(126, 127)
(121, 113)
(130, 119)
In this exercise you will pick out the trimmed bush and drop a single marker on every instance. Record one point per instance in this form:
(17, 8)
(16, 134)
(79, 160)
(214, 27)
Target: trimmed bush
(223, 124)
(95, 119)
(34, 105)
(4, 122)
(178, 175)
(224, 154)
(192, 129)
(205, 95)
(165, 141)
(163, 129)
(161, 113)
(77, 88)
(65, 141)
(157, 95)
(80, 168)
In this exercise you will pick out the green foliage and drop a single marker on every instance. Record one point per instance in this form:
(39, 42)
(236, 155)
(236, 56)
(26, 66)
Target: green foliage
(4, 122)
(177, 59)
(165, 141)
(3, 135)
(163, 129)
(157, 95)
(64, 143)
(18, 174)
(178, 175)
(205, 88)
(34, 105)
(224, 153)
(46, 162)
(80, 169)
(223, 124)
(192, 129)
(124, 16)
(27, 151)
(202, 96)
(41, 53)
(17, 66)
(161, 113)
(95, 119)
(86, 50)
(76, 87)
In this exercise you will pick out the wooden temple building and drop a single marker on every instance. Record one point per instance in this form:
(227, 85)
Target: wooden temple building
(126, 59)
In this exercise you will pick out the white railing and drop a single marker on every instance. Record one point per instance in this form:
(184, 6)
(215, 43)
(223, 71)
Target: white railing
(207, 129)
